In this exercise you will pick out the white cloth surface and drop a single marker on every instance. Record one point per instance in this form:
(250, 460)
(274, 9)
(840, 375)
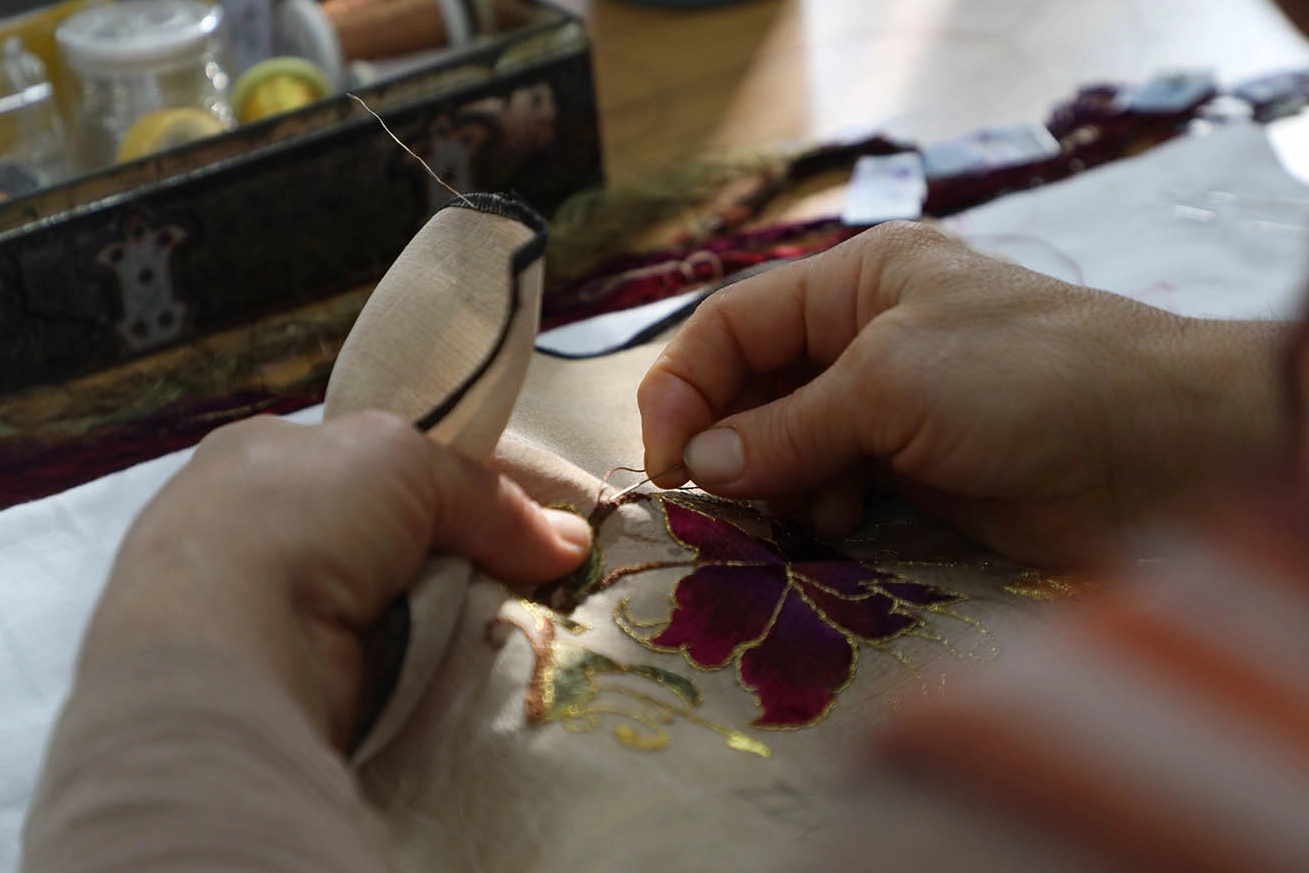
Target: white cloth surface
(1210, 226)
(55, 556)
(1120, 225)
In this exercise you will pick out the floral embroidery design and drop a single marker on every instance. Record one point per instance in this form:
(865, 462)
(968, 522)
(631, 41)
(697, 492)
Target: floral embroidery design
(580, 689)
(786, 611)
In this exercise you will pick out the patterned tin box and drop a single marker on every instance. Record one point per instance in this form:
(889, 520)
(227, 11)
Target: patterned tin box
(283, 212)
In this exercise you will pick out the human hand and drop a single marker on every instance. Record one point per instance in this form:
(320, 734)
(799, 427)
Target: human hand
(280, 544)
(1037, 416)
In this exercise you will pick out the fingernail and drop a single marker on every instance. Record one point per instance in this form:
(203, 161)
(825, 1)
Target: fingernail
(715, 455)
(571, 528)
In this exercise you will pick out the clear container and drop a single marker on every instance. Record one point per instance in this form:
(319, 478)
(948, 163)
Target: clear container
(136, 57)
(35, 152)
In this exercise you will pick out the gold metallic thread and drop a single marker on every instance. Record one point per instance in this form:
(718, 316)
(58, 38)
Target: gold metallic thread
(565, 688)
(1034, 585)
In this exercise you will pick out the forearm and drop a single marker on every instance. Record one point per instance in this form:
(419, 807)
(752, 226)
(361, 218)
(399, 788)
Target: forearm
(1219, 409)
(182, 760)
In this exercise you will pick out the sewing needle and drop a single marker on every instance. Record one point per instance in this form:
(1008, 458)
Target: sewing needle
(630, 488)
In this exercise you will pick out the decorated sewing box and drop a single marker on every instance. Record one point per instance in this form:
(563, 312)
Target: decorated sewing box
(296, 208)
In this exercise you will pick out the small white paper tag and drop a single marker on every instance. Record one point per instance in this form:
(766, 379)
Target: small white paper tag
(885, 188)
(1286, 91)
(991, 148)
(1168, 93)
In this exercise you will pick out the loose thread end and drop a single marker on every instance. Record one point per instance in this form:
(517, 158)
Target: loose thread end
(411, 152)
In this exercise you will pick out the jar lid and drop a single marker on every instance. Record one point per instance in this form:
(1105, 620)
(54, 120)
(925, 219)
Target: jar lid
(134, 35)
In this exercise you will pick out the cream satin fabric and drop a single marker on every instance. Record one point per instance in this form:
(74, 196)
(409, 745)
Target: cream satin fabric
(459, 773)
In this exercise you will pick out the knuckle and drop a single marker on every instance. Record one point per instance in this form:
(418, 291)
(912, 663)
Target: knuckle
(244, 445)
(913, 235)
(387, 427)
(916, 245)
(912, 256)
(653, 385)
(239, 431)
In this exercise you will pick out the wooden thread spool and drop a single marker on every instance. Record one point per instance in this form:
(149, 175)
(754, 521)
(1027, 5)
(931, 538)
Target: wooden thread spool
(275, 86)
(374, 29)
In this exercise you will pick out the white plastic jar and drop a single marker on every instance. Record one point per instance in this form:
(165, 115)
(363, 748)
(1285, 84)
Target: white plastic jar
(135, 57)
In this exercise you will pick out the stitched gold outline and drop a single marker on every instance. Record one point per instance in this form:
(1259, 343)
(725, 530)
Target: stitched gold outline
(540, 703)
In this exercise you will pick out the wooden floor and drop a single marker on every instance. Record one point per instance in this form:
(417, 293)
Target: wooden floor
(767, 71)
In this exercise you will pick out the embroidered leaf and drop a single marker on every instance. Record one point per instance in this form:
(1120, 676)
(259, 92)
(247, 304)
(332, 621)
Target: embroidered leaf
(566, 688)
(742, 743)
(674, 682)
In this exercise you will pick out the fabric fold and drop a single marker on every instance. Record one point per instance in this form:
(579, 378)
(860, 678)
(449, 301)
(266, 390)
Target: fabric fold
(444, 341)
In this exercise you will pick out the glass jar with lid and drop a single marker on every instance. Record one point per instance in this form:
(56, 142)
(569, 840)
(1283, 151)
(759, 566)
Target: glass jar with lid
(33, 151)
(147, 74)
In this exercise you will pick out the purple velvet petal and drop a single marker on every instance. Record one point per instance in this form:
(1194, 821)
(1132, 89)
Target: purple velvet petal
(720, 609)
(716, 540)
(846, 577)
(798, 668)
(918, 593)
(870, 617)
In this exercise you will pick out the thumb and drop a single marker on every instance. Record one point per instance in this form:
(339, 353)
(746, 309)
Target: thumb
(791, 444)
(487, 517)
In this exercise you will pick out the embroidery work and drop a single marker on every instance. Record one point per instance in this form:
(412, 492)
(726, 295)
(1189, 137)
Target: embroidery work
(788, 612)
(569, 686)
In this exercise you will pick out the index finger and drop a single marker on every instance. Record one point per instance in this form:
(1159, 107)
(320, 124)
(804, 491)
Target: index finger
(809, 309)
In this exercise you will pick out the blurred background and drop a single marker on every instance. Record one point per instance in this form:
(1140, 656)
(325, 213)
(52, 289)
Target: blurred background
(196, 199)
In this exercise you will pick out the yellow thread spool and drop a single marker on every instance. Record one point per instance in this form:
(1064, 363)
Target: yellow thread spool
(277, 85)
(164, 129)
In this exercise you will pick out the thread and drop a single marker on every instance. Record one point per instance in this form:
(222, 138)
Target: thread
(630, 488)
(389, 133)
